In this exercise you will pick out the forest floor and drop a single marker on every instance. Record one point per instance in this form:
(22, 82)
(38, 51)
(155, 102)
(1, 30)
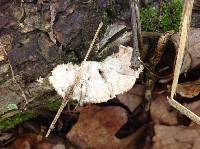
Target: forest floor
(37, 35)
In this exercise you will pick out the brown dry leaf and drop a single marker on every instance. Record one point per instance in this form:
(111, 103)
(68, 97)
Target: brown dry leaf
(196, 144)
(97, 126)
(176, 137)
(138, 90)
(24, 142)
(132, 141)
(194, 107)
(189, 89)
(160, 111)
(43, 145)
(133, 98)
(36, 141)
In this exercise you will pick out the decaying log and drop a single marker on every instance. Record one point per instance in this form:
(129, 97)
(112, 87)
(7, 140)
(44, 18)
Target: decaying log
(26, 32)
(35, 91)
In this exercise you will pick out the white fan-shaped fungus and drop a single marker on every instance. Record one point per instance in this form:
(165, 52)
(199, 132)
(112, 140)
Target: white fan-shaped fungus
(99, 81)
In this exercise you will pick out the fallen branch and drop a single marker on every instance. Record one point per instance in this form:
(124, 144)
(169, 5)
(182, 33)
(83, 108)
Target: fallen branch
(136, 31)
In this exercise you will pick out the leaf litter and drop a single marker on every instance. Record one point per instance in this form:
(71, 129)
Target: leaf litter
(160, 111)
(92, 119)
(133, 98)
(189, 89)
(176, 137)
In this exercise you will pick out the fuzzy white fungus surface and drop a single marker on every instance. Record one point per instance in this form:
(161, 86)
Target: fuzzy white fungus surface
(99, 81)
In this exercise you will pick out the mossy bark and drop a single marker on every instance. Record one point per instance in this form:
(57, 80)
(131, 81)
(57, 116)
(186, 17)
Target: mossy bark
(25, 34)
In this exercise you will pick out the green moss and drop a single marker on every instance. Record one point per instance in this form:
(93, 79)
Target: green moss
(168, 20)
(149, 17)
(15, 120)
(70, 56)
(11, 122)
(171, 16)
(53, 105)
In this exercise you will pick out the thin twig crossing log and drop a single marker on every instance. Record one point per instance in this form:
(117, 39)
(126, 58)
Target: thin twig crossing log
(13, 77)
(77, 81)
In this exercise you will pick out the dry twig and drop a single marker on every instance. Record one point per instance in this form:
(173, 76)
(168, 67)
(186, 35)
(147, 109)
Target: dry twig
(77, 82)
(53, 17)
(188, 5)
